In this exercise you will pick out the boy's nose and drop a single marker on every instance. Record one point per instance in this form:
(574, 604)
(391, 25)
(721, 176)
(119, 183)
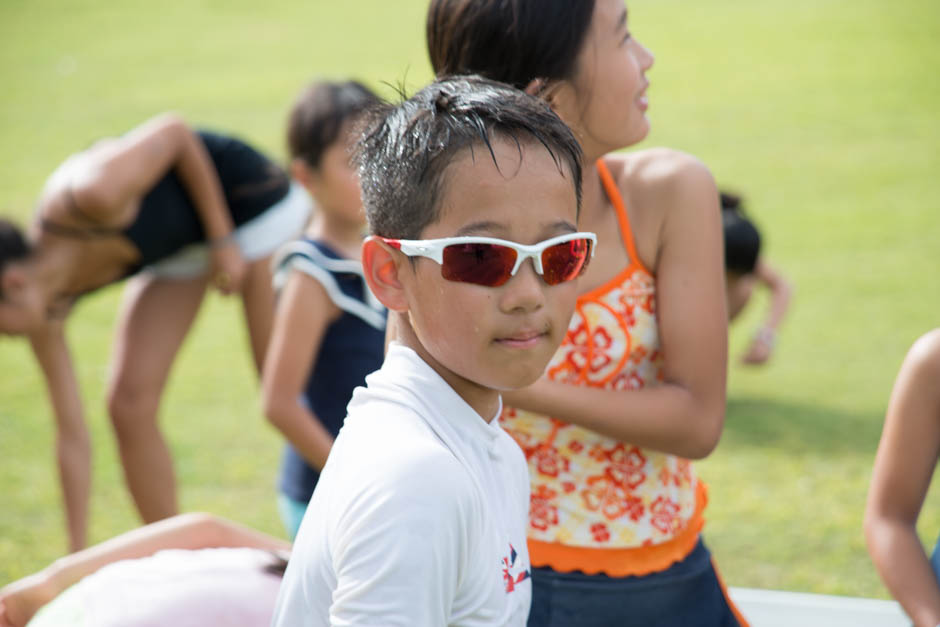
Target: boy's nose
(524, 290)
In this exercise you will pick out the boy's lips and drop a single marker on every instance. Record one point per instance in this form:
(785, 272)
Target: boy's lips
(522, 339)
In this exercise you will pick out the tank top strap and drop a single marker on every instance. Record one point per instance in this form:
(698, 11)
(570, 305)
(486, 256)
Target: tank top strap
(616, 199)
(91, 231)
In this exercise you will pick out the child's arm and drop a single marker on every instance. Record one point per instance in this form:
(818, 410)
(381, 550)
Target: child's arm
(907, 455)
(20, 600)
(780, 292)
(304, 312)
(684, 415)
(129, 166)
(73, 445)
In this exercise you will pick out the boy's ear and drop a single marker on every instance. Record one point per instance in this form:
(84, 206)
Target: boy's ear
(381, 265)
(301, 172)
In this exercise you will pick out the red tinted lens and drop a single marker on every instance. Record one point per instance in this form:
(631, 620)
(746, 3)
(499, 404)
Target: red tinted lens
(565, 261)
(483, 264)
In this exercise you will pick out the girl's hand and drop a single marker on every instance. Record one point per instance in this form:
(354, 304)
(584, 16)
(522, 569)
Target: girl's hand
(227, 267)
(761, 347)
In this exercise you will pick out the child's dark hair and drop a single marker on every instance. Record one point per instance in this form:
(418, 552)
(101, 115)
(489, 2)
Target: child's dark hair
(320, 113)
(742, 239)
(13, 246)
(405, 149)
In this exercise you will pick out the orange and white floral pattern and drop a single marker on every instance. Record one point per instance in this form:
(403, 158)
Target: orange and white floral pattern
(589, 490)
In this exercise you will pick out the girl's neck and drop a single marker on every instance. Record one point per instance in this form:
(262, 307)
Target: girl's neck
(593, 197)
(342, 235)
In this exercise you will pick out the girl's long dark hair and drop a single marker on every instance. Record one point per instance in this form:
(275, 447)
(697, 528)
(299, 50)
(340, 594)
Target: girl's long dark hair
(511, 41)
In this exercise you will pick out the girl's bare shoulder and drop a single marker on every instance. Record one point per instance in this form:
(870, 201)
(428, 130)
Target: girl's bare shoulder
(658, 170)
(661, 182)
(924, 355)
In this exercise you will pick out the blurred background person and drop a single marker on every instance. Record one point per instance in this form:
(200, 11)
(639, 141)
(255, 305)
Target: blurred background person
(745, 270)
(329, 330)
(176, 210)
(189, 570)
(904, 465)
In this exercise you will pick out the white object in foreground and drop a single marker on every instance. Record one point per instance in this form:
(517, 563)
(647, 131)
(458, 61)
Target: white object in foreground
(775, 608)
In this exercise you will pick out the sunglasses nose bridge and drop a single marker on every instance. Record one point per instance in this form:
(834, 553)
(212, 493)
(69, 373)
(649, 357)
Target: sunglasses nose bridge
(521, 256)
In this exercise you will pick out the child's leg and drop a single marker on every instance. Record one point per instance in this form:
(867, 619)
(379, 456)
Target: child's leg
(258, 304)
(687, 594)
(155, 316)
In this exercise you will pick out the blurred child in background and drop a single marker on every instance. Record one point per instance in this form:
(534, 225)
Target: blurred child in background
(746, 269)
(190, 570)
(329, 329)
(177, 210)
(904, 465)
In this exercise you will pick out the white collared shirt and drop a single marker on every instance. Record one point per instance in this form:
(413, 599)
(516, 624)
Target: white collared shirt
(419, 516)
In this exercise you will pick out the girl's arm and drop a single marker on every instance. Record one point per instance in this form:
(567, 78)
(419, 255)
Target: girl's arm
(780, 292)
(907, 455)
(304, 312)
(126, 168)
(685, 414)
(73, 446)
(20, 600)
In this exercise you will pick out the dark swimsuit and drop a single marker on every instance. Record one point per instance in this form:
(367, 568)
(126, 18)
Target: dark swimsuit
(167, 220)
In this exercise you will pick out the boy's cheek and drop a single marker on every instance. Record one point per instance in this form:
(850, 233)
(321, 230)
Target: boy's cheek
(567, 299)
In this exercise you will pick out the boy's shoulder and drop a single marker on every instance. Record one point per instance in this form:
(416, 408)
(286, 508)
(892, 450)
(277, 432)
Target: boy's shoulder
(396, 442)
(390, 470)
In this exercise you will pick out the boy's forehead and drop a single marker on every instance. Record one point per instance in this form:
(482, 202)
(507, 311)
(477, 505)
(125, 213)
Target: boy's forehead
(505, 183)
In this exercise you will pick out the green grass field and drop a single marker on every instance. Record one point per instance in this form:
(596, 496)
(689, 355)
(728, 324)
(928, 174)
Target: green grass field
(823, 113)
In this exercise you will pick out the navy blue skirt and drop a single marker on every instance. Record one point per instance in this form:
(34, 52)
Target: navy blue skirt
(687, 594)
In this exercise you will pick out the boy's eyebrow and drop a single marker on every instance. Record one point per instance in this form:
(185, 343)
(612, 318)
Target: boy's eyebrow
(476, 227)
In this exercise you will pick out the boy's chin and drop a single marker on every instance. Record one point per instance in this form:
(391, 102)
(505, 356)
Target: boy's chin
(518, 381)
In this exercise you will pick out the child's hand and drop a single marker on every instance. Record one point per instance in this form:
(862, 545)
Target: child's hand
(761, 348)
(20, 600)
(228, 267)
(5, 620)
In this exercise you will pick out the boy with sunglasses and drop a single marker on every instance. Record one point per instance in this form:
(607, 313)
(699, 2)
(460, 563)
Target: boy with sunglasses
(472, 190)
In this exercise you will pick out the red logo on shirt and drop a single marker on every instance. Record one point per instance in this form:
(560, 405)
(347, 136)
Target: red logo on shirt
(513, 574)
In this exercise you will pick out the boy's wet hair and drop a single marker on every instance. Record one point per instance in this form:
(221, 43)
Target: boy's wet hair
(405, 149)
(742, 239)
(13, 246)
(320, 113)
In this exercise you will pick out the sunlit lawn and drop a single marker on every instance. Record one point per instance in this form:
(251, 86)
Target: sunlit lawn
(825, 114)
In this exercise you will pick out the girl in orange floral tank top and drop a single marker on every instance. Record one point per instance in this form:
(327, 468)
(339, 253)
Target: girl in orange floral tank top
(598, 504)
(638, 387)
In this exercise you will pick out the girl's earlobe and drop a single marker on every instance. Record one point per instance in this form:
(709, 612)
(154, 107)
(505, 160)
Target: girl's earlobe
(381, 266)
(544, 89)
(535, 87)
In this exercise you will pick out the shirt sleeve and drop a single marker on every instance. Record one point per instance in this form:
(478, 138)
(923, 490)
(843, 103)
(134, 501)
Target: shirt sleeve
(400, 547)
